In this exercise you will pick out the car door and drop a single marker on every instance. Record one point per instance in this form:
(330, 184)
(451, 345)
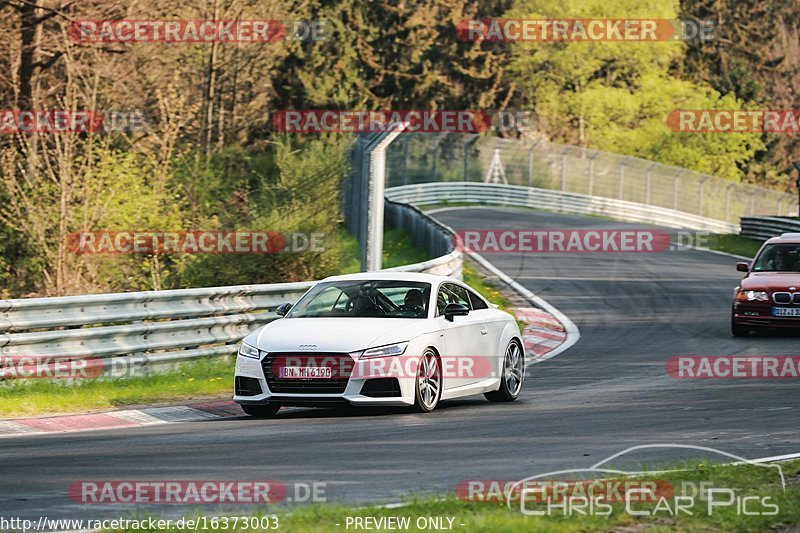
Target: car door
(487, 316)
(466, 340)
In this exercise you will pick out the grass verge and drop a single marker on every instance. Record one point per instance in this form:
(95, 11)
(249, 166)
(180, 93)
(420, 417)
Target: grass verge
(202, 378)
(735, 244)
(771, 508)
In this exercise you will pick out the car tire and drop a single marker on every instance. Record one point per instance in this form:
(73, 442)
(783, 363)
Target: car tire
(736, 329)
(513, 375)
(261, 411)
(428, 387)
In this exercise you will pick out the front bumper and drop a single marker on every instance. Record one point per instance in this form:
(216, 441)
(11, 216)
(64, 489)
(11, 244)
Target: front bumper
(253, 369)
(760, 315)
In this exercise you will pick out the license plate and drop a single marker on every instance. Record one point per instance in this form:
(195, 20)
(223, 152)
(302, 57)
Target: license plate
(305, 372)
(786, 311)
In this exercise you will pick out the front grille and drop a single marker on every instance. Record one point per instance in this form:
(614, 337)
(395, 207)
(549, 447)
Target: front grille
(247, 386)
(340, 363)
(796, 298)
(782, 297)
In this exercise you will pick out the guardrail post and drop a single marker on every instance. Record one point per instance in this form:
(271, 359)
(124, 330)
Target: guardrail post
(372, 249)
(530, 165)
(700, 196)
(675, 190)
(466, 162)
(405, 161)
(433, 161)
(728, 201)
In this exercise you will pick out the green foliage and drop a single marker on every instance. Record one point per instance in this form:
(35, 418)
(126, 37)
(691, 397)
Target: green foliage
(395, 55)
(293, 191)
(615, 96)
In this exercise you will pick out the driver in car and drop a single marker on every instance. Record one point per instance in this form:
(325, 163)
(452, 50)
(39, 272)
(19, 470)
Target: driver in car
(414, 301)
(780, 261)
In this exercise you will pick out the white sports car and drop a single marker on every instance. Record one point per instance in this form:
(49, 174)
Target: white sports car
(381, 338)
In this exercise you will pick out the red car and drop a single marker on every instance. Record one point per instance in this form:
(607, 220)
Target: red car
(769, 295)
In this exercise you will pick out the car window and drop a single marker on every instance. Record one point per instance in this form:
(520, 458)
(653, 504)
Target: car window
(450, 293)
(364, 298)
(325, 300)
(477, 301)
(779, 258)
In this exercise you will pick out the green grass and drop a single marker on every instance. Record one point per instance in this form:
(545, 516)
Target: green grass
(202, 378)
(734, 244)
(746, 480)
(397, 251)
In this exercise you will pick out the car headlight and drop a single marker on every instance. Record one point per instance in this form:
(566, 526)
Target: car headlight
(385, 351)
(753, 296)
(249, 351)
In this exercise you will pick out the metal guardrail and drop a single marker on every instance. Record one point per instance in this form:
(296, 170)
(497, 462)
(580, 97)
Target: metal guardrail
(558, 201)
(136, 330)
(141, 328)
(763, 228)
(427, 234)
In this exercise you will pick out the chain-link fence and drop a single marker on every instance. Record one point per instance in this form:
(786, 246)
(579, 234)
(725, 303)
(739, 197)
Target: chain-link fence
(422, 158)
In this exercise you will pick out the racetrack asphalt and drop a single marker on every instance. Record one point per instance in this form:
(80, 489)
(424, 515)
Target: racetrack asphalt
(608, 392)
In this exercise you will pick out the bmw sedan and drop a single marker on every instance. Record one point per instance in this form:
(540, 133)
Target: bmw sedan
(386, 338)
(769, 294)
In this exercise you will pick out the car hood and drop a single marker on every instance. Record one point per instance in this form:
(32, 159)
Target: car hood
(771, 281)
(335, 334)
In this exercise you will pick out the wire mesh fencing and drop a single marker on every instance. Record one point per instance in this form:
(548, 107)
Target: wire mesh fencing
(423, 158)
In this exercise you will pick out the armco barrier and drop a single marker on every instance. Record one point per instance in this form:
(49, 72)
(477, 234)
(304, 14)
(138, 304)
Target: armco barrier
(557, 201)
(763, 228)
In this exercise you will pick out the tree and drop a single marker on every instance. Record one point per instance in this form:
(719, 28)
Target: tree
(616, 96)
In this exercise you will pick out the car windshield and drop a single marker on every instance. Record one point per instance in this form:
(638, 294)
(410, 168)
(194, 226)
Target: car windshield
(365, 298)
(778, 258)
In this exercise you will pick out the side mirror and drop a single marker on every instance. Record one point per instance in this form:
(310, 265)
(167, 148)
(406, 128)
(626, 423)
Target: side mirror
(453, 310)
(742, 266)
(283, 309)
